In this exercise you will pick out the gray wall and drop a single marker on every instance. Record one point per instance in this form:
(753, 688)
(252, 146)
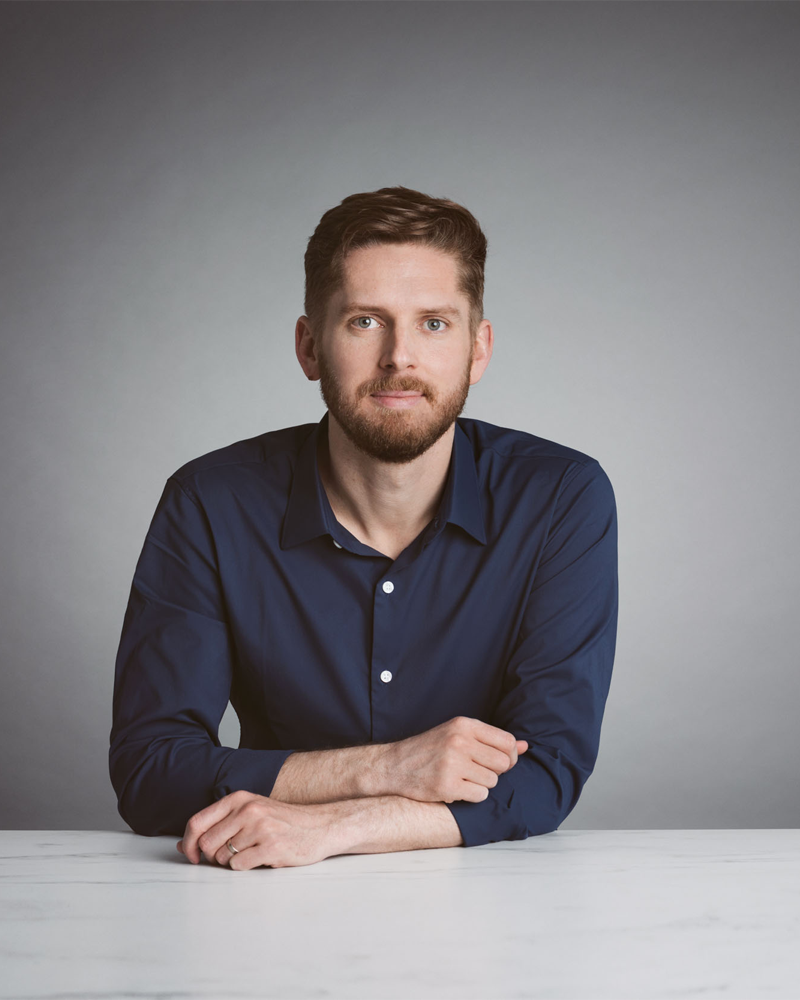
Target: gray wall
(635, 168)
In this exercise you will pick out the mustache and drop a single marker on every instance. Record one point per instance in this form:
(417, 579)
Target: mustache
(406, 384)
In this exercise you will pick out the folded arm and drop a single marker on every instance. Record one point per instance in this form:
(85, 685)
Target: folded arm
(174, 671)
(173, 676)
(172, 681)
(557, 680)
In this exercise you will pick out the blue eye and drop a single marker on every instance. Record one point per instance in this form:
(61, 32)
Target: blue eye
(434, 320)
(358, 320)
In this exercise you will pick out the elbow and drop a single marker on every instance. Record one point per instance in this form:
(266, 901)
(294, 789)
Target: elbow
(143, 805)
(553, 798)
(146, 823)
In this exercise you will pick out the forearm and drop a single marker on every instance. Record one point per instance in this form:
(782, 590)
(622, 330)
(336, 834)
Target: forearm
(388, 823)
(311, 776)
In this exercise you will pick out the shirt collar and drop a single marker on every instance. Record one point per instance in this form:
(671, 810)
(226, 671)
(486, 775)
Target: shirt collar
(308, 509)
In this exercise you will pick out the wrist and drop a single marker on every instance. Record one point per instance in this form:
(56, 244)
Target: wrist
(348, 822)
(340, 820)
(387, 823)
(379, 776)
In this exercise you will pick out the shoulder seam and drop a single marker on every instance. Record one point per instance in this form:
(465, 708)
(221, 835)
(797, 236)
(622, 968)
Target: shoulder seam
(222, 465)
(534, 438)
(567, 478)
(186, 491)
(569, 458)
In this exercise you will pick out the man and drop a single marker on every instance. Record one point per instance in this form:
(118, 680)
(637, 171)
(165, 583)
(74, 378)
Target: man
(413, 614)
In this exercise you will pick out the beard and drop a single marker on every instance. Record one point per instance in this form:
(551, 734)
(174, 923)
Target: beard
(391, 435)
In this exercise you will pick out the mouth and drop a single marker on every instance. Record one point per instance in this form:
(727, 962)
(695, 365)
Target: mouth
(399, 400)
(398, 392)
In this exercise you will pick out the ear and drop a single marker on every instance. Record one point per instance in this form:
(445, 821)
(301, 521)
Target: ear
(481, 351)
(305, 347)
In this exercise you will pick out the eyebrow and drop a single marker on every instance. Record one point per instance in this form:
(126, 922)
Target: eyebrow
(355, 308)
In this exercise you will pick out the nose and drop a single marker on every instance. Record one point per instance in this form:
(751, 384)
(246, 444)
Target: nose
(398, 348)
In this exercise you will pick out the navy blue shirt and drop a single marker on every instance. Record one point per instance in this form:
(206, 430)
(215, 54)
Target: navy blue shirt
(503, 608)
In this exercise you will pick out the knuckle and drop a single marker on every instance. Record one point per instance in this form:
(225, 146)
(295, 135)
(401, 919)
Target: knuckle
(455, 740)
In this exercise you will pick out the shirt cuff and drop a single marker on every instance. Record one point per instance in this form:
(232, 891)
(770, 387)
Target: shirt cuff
(250, 771)
(526, 801)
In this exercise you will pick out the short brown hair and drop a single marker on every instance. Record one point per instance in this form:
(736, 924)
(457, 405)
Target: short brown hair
(393, 215)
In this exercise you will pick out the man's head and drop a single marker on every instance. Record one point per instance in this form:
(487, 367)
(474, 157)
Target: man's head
(394, 301)
(393, 215)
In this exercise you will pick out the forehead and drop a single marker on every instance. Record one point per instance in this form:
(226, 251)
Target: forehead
(401, 272)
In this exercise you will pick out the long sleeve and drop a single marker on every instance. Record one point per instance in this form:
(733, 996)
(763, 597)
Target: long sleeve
(557, 680)
(172, 681)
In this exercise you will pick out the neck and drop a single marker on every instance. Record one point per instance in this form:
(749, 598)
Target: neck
(384, 504)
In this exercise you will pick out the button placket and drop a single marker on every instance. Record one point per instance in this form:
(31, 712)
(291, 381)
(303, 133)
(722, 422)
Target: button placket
(385, 654)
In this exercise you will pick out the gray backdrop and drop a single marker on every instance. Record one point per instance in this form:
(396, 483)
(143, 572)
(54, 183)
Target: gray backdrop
(635, 169)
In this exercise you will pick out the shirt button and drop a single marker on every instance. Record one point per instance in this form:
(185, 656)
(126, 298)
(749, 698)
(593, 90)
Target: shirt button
(388, 587)
(338, 546)
(386, 676)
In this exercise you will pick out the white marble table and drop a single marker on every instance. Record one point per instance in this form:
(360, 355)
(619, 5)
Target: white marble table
(573, 914)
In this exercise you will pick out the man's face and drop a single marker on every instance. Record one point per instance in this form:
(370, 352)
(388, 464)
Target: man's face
(398, 324)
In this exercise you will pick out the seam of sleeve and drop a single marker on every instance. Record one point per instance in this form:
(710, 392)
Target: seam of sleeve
(568, 479)
(187, 492)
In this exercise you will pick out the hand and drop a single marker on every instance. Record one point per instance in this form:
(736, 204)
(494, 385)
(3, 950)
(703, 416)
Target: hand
(459, 759)
(265, 831)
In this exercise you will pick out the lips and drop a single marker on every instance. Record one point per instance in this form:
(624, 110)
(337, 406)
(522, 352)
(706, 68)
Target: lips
(398, 399)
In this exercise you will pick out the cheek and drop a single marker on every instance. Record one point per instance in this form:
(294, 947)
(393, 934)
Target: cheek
(452, 370)
(356, 363)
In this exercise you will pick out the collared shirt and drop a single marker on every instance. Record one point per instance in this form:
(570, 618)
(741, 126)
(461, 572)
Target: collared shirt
(503, 608)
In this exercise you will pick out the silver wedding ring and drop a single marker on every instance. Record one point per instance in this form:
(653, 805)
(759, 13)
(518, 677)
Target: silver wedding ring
(231, 848)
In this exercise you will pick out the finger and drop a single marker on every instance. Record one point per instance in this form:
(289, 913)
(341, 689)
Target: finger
(519, 747)
(213, 841)
(179, 845)
(498, 760)
(188, 845)
(474, 792)
(485, 776)
(216, 841)
(245, 860)
(202, 821)
(501, 739)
